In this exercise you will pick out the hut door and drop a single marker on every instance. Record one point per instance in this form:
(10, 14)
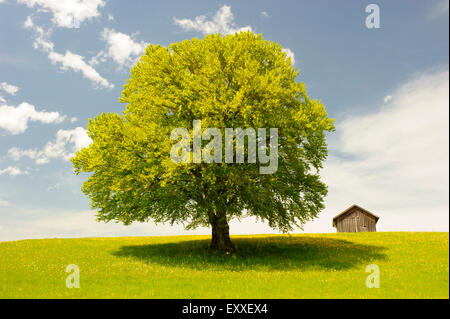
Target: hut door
(365, 223)
(354, 221)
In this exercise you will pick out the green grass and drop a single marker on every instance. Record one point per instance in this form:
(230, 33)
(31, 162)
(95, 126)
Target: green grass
(412, 265)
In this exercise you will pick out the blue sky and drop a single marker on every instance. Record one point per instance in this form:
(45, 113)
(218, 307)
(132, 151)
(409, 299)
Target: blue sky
(62, 62)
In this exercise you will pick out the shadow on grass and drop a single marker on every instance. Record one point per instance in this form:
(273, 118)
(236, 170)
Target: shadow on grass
(266, 253)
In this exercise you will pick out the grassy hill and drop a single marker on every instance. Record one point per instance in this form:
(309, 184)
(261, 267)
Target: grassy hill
(412, 265)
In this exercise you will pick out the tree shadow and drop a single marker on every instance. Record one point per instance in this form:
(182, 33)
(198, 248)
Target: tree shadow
(263, 253)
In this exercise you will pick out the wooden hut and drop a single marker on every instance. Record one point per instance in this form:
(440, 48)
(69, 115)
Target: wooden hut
(355, 219)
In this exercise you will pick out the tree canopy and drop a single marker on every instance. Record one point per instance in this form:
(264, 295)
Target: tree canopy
(232, 81)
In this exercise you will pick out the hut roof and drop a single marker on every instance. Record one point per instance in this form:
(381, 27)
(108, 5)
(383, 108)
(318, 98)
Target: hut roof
(350, 208)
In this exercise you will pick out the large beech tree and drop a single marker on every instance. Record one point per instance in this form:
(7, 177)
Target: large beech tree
(232, 81)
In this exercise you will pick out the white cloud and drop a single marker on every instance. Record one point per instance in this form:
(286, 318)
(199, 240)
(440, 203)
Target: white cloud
(2, 99)
(28, 23)
(15, 119)
(12, 171)
(73, 119)
(110, 17)
(439, 10)
(66, 61)
(41, 38)
(67, 12)
(222, 22)
(120, 47)
(3, 202)
(76, 62)
(396, 160)
(99, 58)
(9, 88)
(289, 54)
(387, 98)
(72, 223)
(66, 143)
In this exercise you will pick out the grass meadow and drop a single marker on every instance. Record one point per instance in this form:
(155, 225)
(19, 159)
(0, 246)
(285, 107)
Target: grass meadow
(412, 265)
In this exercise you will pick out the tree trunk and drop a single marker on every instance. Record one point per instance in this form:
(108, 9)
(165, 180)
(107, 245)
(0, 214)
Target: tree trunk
(220, 241)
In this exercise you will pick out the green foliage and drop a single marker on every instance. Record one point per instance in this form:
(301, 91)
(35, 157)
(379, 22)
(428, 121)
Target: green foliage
(228, 81)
